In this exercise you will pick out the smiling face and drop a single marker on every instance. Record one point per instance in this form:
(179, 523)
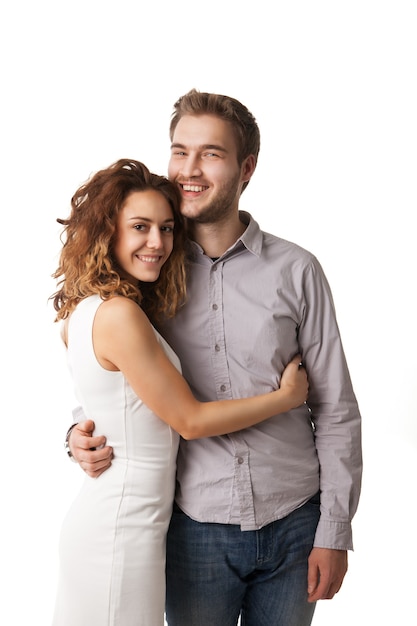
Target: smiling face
(144, 235)
(204, 165)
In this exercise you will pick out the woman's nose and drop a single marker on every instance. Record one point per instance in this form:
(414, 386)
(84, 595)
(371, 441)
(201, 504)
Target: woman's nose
(154, 238)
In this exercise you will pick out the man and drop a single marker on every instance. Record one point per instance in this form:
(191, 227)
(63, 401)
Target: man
(262, 521)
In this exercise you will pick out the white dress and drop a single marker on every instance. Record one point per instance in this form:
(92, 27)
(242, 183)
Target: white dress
(112, 545)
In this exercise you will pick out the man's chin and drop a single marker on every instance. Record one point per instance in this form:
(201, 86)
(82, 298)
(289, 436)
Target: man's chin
(191, 211)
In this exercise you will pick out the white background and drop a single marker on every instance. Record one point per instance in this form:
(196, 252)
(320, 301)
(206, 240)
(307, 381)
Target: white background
(333, 87)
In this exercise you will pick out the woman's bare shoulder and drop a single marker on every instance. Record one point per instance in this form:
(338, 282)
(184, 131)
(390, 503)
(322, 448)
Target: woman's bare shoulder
(121, 312)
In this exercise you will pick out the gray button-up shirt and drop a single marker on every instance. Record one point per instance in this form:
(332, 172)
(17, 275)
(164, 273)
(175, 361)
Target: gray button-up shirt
(247, 314)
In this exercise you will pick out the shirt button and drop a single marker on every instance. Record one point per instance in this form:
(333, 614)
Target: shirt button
(217, 348)
(214, 307)
(223, 388)
(240, 460)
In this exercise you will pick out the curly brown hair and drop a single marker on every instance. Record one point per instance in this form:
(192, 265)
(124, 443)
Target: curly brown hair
(86, 264)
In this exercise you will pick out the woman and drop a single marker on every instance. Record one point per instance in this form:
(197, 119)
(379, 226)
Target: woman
(122, 264)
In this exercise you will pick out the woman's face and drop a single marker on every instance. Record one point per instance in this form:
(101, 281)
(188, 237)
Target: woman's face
(144, 235)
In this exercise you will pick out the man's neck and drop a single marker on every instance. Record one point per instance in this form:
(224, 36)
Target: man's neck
(216, 238)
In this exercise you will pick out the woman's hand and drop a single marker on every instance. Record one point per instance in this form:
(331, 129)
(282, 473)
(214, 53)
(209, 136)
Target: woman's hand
(294, 382)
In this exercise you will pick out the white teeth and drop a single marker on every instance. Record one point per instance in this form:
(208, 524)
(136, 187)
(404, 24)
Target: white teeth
(149, 259)
(193, 188)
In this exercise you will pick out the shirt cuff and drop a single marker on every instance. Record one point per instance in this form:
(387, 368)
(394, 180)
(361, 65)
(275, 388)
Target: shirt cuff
(333, 535)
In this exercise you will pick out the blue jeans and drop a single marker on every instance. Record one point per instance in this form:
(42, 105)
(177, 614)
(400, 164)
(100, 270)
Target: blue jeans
(216, 572)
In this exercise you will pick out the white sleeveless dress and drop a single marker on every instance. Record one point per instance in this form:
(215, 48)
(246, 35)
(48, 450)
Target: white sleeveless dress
(112, 545)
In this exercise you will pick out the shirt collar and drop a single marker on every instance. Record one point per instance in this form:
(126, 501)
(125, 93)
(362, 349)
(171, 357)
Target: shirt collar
(251, 238)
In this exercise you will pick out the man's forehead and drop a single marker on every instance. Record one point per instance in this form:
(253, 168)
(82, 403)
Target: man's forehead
(202, 131)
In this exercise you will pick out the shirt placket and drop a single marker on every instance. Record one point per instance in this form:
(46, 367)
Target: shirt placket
(242, 481)
(217, 340)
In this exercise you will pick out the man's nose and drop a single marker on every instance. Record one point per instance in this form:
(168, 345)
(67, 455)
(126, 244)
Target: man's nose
(190, 166)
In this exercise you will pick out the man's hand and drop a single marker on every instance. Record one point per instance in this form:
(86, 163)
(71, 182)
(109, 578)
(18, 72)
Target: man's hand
(90, 452)
(326, 571)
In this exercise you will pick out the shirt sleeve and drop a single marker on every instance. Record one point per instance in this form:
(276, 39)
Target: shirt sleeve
(335, 412)
(78, 414)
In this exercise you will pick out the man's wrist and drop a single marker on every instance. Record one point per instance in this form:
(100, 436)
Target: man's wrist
(66, 443)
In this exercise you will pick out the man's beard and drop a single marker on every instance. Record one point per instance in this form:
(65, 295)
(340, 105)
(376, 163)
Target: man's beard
(220, 207)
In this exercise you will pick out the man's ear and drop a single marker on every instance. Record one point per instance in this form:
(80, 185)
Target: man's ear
(248, 168)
